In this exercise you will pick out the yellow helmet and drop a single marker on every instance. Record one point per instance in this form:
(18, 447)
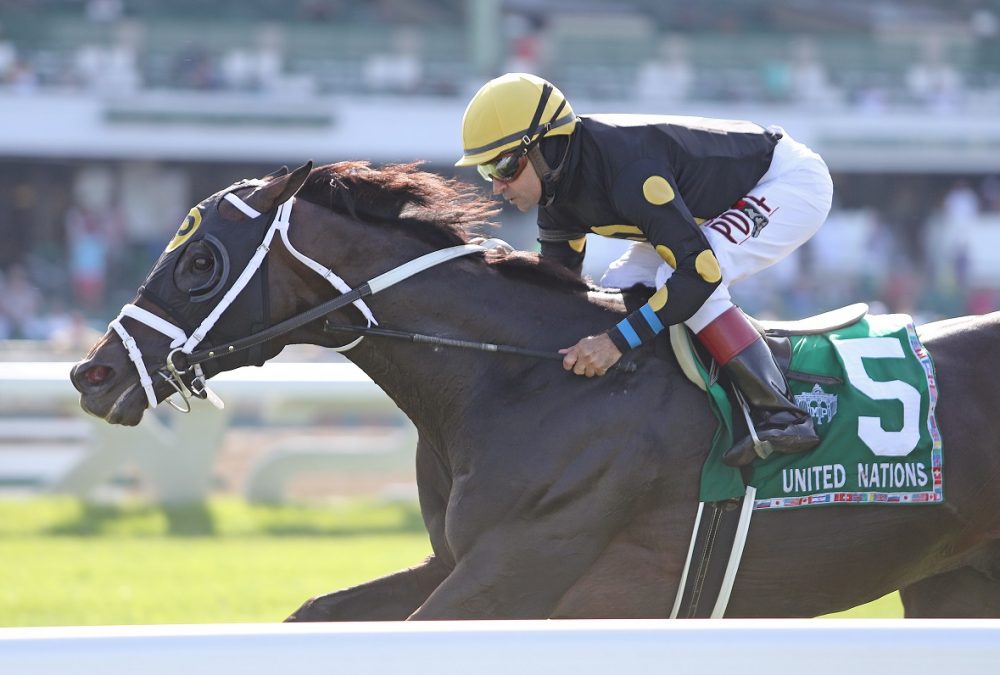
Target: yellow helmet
(511, 110)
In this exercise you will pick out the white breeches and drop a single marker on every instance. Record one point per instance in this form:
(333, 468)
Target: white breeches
(786, 208)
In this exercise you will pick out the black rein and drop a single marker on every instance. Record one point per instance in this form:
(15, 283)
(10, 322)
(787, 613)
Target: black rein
(185, 361)
(623, 366)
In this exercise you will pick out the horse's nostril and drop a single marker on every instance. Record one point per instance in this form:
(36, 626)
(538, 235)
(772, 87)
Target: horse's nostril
(97, 374)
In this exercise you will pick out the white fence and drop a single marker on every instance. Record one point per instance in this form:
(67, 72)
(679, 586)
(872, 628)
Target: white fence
(177, 452)
(818, 647)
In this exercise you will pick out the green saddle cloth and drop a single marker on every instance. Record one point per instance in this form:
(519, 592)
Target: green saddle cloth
(879, 441)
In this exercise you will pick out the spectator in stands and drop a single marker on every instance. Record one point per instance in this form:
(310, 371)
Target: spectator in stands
(524, 55)
(808, 77)
(87, 241)
(667, 78)
(104, 11)
(399, 71)
(989, 189)
(8, 58)
(69, 332)
(111, 68)
(22, 78)
(20, 303)
(961, 204)
(933, 80)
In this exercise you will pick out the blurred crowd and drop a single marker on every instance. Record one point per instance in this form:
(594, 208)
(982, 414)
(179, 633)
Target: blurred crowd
(865, 54)
(924, 245)
(79, 235)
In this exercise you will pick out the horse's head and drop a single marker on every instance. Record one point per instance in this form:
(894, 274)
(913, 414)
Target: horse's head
(231, 280)
(209, 279)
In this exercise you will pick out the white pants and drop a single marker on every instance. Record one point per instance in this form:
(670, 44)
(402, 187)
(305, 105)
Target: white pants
(786, 208)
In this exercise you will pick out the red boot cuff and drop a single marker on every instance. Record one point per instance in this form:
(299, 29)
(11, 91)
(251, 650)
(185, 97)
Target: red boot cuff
(728, 335)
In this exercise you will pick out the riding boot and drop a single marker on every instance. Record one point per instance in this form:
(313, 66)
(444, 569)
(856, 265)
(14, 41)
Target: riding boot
(781, 426)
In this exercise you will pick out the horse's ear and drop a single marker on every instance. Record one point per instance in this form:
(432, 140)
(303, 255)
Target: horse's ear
(277, 172)
(279, 189)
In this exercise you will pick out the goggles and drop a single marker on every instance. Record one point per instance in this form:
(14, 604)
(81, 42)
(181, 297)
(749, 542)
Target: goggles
(504, 168)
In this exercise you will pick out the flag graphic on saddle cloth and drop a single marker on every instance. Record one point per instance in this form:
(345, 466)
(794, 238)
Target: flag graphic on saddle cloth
(880, 442)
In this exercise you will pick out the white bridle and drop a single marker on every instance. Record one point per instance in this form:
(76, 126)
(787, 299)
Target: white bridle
(186, 344)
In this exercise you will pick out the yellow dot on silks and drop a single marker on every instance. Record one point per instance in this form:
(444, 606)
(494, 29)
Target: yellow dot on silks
(657, 190)
(659, 299)
(667, 255)
(578, 244)
(615, 230)
(707, 266)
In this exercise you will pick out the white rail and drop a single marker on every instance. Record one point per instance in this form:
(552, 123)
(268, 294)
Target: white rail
(177, 452)
(768, 647)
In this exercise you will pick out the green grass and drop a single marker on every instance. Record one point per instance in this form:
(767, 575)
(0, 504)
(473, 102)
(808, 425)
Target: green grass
(64, 563)
(887, 607)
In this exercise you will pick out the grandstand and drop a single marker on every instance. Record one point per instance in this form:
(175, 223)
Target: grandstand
(140, 108)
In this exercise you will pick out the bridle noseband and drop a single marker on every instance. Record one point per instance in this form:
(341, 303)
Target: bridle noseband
(183, 360)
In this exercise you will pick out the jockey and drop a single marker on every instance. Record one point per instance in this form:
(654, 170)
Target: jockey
(707, 202)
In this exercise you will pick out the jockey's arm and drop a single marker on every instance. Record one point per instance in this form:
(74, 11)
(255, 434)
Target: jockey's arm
(566, 246)
(568, 253)
(645, 195)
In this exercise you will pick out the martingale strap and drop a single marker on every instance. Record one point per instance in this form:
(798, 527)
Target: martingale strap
(714, 556)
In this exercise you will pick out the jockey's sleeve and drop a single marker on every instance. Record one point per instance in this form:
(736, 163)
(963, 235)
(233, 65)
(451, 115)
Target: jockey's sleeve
(567, 253)
(564, 247)
(645, 195)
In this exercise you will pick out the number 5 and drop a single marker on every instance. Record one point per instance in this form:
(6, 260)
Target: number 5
(881, 442)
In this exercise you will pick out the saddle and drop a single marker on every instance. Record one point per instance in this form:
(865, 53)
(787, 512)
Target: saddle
(776, 333)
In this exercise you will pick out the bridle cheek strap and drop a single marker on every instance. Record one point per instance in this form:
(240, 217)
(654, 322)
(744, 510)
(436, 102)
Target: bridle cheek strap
(134, 353)
(187, 344)
(181, 342)
(282, 220)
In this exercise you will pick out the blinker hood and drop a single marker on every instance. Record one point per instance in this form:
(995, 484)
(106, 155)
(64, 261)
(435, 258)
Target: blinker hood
(233, 245)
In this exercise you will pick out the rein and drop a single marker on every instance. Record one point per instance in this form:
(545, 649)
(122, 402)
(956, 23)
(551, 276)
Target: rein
(437, 341)
(183, 359)
(370, 287)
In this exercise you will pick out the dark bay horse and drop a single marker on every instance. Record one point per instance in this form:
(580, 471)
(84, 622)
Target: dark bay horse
(544, 494)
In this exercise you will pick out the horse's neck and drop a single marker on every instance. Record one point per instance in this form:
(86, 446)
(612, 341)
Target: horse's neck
(443, 387)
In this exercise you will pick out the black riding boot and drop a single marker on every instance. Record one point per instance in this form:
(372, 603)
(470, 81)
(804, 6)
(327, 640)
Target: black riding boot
(781, 425)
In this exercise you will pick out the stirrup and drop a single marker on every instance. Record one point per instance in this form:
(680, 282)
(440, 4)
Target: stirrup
(750, 447)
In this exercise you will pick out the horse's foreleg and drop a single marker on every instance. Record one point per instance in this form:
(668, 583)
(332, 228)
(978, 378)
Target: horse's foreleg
(521, 575)
(390, 598)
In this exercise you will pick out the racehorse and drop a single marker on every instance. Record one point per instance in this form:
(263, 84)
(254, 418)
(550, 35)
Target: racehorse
(544, 494)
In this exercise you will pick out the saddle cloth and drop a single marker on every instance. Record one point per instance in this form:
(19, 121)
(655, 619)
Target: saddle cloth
(870, 387)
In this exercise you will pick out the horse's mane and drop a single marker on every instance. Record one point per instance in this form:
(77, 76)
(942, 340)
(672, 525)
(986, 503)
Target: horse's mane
(442, 211)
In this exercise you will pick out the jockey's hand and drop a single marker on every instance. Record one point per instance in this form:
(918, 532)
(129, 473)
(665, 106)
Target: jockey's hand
(591, 356)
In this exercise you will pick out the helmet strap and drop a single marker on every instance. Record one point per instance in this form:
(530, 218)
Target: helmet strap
(549, 177)
(527, 141)
(543, 100)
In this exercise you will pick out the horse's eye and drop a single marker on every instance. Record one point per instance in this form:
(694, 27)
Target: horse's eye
(202, 263)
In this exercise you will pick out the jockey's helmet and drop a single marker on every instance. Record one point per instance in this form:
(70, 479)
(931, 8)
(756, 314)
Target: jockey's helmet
(516, 109)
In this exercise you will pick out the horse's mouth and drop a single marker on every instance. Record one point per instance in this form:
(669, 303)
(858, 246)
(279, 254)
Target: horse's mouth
(126, 410)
